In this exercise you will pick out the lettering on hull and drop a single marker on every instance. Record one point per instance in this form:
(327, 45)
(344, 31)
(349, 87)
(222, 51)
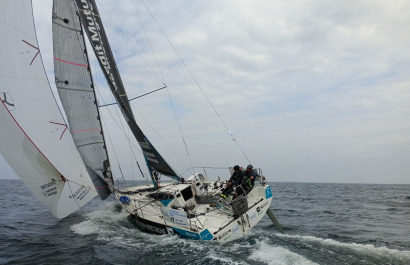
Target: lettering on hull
(151, 226)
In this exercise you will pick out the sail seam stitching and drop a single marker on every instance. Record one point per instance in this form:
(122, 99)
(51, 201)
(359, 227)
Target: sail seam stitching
(78, 146)
(66, 88)
(61, 25)
(83, 65)
(86, 130)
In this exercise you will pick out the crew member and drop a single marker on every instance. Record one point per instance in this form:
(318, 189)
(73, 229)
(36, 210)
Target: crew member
(235, 180)
(248, 181)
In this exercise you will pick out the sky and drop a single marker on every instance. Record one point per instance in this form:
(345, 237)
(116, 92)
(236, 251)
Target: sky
(313, 91)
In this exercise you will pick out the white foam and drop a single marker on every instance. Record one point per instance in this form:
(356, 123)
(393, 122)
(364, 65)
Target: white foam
(358, 248)
(211, 254)
(85, 228)
(168, 240)
(107, 224)
(98, 219)
(275, 255)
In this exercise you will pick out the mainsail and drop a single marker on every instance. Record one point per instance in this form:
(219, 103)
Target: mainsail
(93, 26)
(76, 90)
(33, 136)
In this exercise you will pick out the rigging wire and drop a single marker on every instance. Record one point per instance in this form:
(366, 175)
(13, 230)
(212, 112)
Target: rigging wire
(122, 130)
(131, 42)
(131, 162)
(125, 131)
(160, 137)
(79, 207)
(163, 79)
(140, 53)
(112, 145)
(106, 127)
(180, 130)
(149, 42)
(195, 80)
(105, 105)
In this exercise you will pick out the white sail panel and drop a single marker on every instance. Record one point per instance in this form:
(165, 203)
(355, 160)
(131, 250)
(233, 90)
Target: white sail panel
(36, 171)
(33, 134)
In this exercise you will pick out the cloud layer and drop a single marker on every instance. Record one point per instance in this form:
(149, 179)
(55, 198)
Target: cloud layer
(314, 91)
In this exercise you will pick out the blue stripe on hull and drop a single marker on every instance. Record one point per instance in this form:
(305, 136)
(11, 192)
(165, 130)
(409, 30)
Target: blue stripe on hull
(187, 233)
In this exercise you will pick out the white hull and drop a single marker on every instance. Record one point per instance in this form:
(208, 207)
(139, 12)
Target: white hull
(204, 215)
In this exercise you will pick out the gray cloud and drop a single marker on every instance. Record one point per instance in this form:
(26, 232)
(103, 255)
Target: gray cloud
(314, 91)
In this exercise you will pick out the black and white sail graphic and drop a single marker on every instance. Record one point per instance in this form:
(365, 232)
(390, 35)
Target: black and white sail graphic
(76, 90)
(93, 26)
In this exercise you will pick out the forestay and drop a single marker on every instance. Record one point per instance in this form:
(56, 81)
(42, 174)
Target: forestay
(76, 90)
(34, 138)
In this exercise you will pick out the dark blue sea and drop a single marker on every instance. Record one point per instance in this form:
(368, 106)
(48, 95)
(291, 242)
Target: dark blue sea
(323, 224)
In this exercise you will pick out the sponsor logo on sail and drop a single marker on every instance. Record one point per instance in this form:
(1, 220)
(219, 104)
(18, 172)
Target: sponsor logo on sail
(90, 22)
(145, 146)
(49, 189)
(95, 35)
(80, 193)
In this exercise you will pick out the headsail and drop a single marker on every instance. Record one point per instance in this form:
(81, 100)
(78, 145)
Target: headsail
(76, 90)
(33, 135)
(94, 28)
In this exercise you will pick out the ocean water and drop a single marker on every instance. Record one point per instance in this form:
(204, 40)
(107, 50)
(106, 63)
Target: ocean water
(323, 224)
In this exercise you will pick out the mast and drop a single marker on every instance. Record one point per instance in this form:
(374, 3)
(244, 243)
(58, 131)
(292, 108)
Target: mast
(75, 87)
(94, 28)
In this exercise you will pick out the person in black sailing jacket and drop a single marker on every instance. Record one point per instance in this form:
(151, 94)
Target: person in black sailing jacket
(248, 181)
(235, 180)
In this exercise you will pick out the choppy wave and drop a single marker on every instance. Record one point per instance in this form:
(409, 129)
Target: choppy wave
(264, 246)
(106, 224)
(353, 252)
(363, 224)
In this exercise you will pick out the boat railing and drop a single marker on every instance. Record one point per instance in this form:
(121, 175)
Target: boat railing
(120, 183)
(260, 180)
(194, 223)
(221, 205)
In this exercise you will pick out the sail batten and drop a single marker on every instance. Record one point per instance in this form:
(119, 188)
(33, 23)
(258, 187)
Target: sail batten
(94, 28)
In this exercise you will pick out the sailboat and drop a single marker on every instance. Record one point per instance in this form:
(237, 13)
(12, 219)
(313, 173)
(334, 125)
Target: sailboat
(66, 164)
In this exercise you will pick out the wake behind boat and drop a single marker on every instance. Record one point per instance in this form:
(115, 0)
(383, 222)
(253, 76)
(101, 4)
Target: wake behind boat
(66, 163)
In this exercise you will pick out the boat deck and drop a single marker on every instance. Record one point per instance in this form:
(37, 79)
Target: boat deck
(205, 210)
